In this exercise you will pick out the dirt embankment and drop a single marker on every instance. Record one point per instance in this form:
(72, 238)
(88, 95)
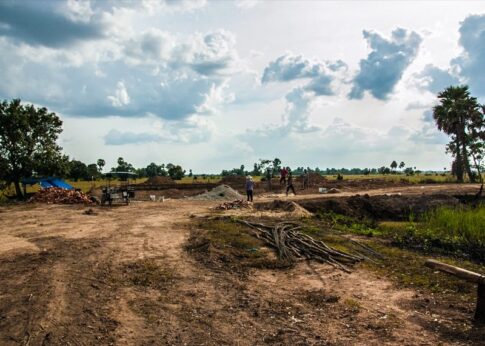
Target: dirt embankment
(393, 207)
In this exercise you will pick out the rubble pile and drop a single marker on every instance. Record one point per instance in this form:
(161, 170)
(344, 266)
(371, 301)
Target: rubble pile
(237, 204)
(57, 195)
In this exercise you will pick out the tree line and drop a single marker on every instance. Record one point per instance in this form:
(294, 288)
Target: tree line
(29, 134)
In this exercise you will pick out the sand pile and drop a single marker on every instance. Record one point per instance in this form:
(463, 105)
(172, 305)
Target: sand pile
(221, 192)
(278, 205)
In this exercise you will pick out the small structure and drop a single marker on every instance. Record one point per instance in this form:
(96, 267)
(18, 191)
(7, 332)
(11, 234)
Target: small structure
(45, 183)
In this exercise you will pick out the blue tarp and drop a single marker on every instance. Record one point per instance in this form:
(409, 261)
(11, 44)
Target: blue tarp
(47, 182)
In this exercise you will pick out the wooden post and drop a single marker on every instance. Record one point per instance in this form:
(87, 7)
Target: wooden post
(466, 275)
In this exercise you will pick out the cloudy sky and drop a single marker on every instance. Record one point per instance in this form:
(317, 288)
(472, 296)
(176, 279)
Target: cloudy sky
(214, 84)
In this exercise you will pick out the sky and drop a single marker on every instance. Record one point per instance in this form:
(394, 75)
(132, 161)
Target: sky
(211, 85)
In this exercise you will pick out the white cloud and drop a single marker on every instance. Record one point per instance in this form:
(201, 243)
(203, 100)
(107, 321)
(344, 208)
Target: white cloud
(121, 97)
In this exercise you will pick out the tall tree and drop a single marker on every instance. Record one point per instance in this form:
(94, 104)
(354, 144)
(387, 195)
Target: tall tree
(458, 115)
(101, 163)
(28, 143)
(402, 165)
(393, 165)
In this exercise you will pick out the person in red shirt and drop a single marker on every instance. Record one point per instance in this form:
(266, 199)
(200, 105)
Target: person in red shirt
(283, 175)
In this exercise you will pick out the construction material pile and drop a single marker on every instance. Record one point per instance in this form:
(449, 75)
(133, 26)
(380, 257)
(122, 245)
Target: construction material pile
(57, 195)
(221, 192)
(237, 204)
(291, 244)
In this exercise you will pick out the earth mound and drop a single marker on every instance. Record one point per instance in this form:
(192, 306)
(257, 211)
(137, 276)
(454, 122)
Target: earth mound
(279, 205)
(383, 207)
(159, 180)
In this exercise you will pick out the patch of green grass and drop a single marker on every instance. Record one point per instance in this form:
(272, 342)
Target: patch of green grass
(457, 231)
(406, 268)
(352, 305)
(226, 233)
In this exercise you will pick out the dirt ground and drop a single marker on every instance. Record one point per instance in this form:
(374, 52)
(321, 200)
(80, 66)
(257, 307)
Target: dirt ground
(121, 276)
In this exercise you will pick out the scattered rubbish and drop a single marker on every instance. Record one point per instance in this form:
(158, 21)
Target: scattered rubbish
(90, 211)
(237, 204)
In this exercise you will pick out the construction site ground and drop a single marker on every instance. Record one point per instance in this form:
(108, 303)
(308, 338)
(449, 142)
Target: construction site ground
(122, 276)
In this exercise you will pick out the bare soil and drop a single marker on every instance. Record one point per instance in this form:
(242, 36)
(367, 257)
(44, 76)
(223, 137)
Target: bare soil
(123, 276)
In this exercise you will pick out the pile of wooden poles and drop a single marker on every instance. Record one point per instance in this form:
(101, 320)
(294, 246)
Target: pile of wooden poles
(292, 244)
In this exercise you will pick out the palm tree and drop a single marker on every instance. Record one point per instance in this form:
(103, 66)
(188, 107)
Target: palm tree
(456, 115)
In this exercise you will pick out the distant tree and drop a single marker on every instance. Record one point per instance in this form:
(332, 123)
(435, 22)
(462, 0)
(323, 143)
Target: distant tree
(190, 173)
(101, 163)
(393, 165)
(276, 165)
(409, 171)
(459, 115)
(123, 166)
(92, 171)
(152, 170)
(175, 171)
(28, 143)
(402, 165)
(77, 170)
(257, 170)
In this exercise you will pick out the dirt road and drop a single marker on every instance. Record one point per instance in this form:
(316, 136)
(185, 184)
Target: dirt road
(68, 278)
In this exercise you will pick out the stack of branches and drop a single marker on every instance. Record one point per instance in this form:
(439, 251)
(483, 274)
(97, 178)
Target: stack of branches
(292, 244)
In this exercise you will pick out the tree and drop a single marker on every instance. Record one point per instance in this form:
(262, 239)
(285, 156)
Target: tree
(123, 166)
(101, 163)
(78, 170)
(92, 170)
(28, 143)
(402, 165)
(459, 116)
(152, 170)
(175, 171)
(393, 165)
(276, 165)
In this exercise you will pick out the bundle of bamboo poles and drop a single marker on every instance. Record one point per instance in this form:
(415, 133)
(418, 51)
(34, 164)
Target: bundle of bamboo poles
(291, 244)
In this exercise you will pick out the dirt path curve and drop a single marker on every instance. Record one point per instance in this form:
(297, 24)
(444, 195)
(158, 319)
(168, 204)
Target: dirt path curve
(74, 279)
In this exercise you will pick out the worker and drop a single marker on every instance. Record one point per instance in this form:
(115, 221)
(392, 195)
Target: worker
(289, 184)
(306, 179)
(249, 188)
(283, 175)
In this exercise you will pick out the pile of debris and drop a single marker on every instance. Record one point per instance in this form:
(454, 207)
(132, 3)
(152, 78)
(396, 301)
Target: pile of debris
(221, 192)
(57, 195)
(237, 204)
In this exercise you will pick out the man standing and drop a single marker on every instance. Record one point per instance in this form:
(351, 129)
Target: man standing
(306, 179)
(290, 184)
(249, 188)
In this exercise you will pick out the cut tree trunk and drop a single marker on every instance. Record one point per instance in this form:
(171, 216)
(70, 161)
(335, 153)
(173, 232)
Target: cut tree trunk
(18, 191)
